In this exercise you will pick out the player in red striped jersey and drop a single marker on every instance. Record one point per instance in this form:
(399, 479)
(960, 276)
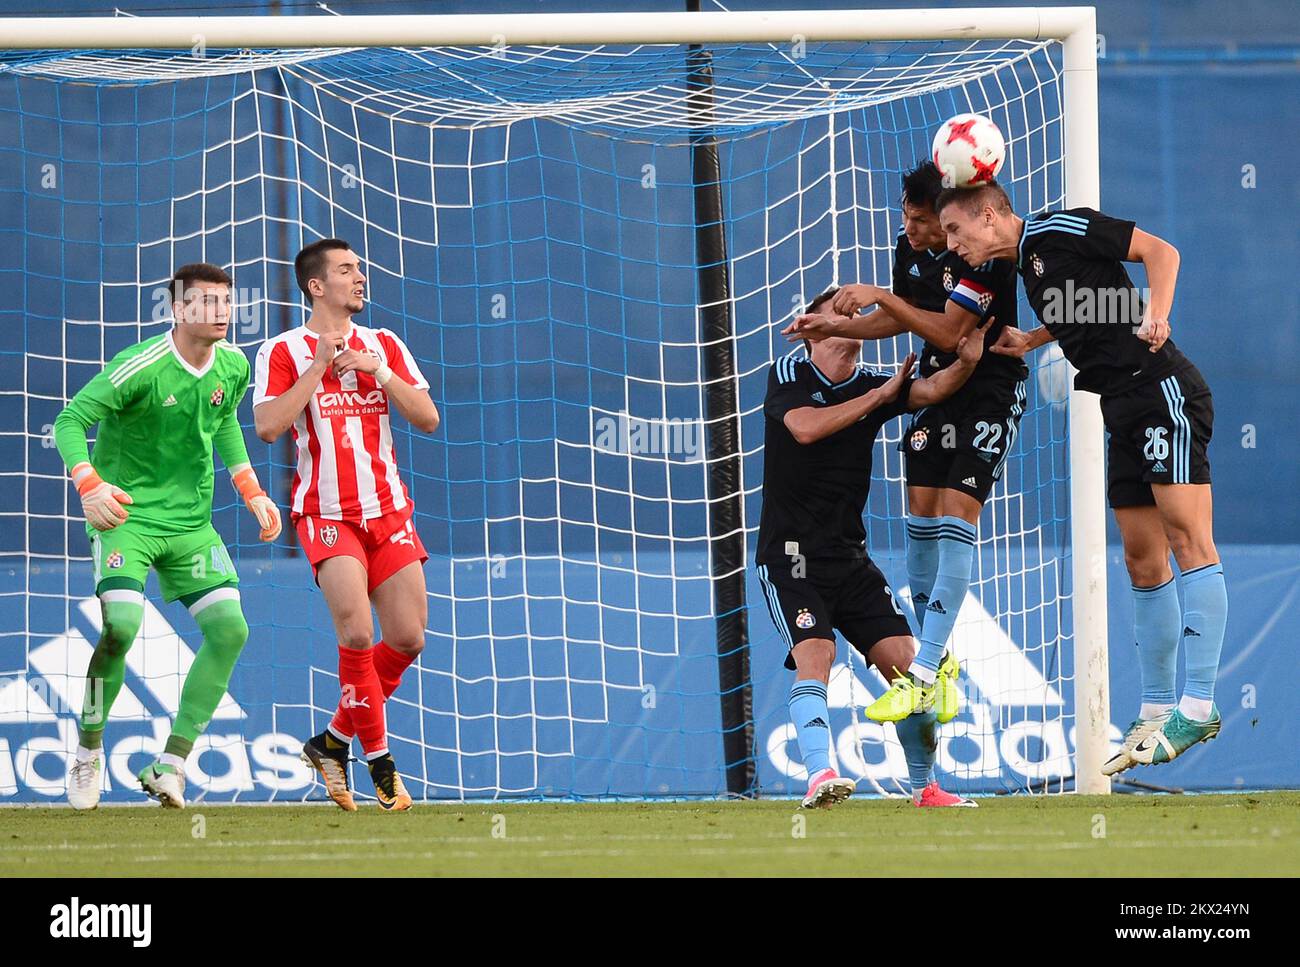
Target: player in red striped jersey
(333, 382)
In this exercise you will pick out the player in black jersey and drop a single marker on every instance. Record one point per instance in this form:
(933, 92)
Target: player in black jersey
(1159, 414)
(823, 410)
(953, 451)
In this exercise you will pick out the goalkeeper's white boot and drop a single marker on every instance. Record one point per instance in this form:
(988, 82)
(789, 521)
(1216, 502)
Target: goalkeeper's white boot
(1138, 730)
(83, 783)
(826, 789)
(164, 783)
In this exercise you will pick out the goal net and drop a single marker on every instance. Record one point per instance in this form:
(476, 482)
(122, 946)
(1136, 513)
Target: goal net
(527, 220)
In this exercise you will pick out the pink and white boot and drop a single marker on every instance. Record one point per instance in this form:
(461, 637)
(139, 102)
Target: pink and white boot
(932, 795)
(826, 789)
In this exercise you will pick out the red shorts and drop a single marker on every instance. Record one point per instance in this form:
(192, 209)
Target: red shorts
(383, 545)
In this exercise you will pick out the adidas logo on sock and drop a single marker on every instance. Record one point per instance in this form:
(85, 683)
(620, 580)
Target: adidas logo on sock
(968, 482)
(817, 723)
(1190, 632)
(936, 606)
(170, 401)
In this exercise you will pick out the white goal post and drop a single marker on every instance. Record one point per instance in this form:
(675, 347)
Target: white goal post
(1073, 27)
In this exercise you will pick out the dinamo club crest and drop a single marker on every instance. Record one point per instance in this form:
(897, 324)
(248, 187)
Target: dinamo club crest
(804, 619)
(218, 395)
(328, 535)
(115, 560)
(1037, 264)
(919, 439)
(947, 279)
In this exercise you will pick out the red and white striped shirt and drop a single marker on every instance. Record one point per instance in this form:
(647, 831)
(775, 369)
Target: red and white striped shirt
(347, 467)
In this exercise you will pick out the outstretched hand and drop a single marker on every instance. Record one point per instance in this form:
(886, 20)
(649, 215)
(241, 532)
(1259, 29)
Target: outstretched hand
(1012, 342)
(971, 347)
(890, 389)
(814, 327)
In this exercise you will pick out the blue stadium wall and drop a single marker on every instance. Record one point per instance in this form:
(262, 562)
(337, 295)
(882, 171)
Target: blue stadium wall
(1198, 144)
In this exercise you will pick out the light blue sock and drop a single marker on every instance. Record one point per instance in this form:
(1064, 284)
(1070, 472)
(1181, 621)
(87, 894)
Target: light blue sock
(1205, 598)
(1156, 623)
(917, 735)
(922, 562)
(956, 552)
(811, 720)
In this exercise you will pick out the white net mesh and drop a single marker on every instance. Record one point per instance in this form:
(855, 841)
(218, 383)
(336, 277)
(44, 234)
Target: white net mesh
(527, 221)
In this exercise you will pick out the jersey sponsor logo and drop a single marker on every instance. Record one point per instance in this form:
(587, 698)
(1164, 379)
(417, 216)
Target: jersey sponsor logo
(914, 270)
(968, 482)
(352, 402)
(170, 401)
(920, 439)
(218, 395)
(329, 535)
(1036, 263)
(804, 619)
(115, 560)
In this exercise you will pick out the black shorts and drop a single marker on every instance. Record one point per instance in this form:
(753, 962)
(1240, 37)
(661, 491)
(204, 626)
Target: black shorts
(850, 595)
(1159, 433)
(966, 452)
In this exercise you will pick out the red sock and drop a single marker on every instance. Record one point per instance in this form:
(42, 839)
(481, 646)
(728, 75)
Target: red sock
(389, 666)
(364, 698)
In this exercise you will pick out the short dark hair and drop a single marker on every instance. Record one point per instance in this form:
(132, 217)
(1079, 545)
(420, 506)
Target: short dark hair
(183, 279)
(819, 299)
(922, 185)
(973, 199)
(310, 262)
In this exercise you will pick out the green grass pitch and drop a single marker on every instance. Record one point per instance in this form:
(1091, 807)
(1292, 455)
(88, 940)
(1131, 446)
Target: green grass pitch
(1242, 834)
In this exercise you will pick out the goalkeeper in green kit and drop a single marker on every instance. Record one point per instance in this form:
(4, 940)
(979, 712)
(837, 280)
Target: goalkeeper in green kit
(146, 492)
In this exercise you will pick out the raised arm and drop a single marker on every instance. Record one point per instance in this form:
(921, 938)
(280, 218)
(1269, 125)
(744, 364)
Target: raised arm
(1161, 262)
(939, 386)
(942, 329)
(808, 424)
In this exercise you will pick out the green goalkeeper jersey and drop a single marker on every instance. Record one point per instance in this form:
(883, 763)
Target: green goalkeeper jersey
(158, 421)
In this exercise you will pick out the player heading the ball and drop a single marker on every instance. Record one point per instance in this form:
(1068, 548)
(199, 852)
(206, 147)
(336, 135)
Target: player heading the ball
(1159, 414)
(332, 382)
(956, 450)
(146, 492)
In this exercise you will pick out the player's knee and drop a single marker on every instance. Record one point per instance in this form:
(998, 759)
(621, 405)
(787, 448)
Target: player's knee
(410, 644)
(359, 638)
(118, 635)
(814, 656)
(1192, 549)
(1146, 569)
(228, 635)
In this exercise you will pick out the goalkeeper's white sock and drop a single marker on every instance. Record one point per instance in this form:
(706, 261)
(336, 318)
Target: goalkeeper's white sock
(85, 755)
(173, 760)
(1196, 709)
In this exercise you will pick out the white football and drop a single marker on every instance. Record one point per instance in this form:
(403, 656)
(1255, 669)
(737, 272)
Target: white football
(969, 150)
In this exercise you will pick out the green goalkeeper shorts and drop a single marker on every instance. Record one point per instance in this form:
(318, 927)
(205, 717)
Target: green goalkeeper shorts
(186, 563)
